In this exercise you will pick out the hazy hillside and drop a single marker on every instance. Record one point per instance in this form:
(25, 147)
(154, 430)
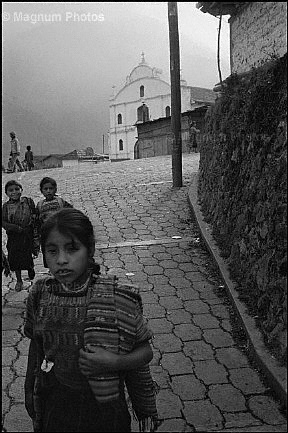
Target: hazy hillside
(57, 77)
(50, 134)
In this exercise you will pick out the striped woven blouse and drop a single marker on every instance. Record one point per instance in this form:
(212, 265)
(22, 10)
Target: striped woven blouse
(56, 320)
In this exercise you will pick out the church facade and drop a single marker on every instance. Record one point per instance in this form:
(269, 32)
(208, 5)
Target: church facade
(145, 97)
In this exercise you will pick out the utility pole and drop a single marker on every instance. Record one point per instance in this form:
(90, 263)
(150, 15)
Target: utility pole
(175, 95)
(103, 143)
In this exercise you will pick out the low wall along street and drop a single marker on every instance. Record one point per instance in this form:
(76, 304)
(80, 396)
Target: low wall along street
(243, 192)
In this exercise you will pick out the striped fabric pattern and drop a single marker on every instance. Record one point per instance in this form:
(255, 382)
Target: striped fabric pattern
(115, 322)
(105, 314)
(56, 322)
(45, 207)
(111, 324)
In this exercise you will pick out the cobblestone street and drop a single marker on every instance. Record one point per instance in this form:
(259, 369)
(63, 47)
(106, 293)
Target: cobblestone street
(146, 234)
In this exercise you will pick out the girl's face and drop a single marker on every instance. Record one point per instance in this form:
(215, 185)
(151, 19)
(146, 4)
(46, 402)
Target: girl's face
(48, 190)
(14, 192)
(66, 257)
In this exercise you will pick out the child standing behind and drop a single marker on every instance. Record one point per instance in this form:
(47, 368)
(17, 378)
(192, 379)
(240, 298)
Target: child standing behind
(51, 203)
(18, 219)
(29, 158)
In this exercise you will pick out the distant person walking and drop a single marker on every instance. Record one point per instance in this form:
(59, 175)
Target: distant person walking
(15, 152)
(193, 131)
(29, 158)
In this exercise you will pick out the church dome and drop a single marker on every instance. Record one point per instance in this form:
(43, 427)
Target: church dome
(143, 70)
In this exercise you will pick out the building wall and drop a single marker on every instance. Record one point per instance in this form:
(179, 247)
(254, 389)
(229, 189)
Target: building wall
(128, 134)
(152, 87)
(51, 162)
(157, 97)
(154, 138)
(243, 192)
(258, 33)
(70, 162)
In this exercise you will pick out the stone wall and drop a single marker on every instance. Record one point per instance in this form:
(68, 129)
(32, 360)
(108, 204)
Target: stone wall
(243, 192)
(258, 33)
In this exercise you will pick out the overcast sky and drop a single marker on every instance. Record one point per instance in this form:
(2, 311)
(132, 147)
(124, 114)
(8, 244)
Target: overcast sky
(60, 61)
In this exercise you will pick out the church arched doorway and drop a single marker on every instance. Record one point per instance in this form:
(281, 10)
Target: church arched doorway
(143, 113)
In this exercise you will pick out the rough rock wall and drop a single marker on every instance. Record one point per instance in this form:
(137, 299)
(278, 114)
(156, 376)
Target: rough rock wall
(243, 191)
(258, 34)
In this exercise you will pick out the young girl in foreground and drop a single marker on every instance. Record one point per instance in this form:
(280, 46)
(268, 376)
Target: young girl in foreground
(88, 339)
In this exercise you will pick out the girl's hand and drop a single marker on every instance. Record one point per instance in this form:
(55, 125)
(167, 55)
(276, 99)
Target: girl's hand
(97, 361)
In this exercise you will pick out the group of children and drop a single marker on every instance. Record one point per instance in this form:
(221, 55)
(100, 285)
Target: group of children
(22, 221)
(89, 339)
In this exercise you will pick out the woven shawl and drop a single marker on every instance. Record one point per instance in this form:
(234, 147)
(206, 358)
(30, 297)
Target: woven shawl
(111, 325)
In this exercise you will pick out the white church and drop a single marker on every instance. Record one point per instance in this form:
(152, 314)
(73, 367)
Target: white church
(145, 97)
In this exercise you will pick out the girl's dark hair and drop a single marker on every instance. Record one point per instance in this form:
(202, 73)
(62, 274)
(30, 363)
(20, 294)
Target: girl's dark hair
(12, 182)
(28, 147)
(74, 223)
(48, 180)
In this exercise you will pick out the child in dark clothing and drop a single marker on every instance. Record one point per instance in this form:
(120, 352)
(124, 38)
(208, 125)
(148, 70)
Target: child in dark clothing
(193, 131)
(51, 203)
(29, 158)
(18, 219)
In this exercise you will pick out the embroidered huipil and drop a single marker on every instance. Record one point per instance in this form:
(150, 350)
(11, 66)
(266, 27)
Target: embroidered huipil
(21, 212)
(45, 207)
(56, 319)
(20, 245)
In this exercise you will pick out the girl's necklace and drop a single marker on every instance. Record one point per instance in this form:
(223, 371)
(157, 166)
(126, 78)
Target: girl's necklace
(79, 289)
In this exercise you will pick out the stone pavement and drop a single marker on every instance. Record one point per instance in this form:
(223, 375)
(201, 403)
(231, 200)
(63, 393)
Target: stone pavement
(147, 235)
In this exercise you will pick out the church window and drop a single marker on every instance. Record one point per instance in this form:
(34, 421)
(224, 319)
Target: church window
(143, 113)
(141, 91)
(120, 144)
(119, 119)
(167, 111)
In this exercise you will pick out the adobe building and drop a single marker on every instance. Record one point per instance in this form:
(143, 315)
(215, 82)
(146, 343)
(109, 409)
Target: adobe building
(258, 31)
(144, 98)
(154, 137)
